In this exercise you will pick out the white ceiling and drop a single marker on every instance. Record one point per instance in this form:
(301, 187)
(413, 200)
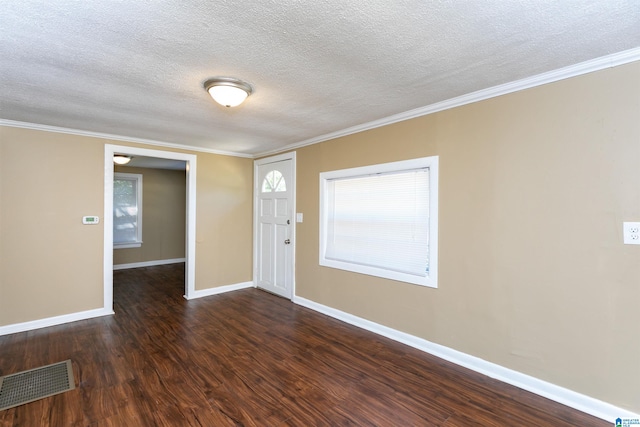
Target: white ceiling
(136, 68)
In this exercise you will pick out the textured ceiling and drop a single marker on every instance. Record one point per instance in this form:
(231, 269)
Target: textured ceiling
(136, 68)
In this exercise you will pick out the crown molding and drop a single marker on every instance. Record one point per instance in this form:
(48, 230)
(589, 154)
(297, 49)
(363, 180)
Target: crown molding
(598, 64)
(602, 63)
(69, 131)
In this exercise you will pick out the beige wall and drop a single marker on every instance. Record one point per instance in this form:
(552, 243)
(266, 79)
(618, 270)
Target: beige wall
(163, 216)
(51, 264)
(533, 275)
(224, 235)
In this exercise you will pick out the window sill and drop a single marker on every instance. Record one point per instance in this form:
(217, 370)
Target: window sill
(127, 245)
(428, 281)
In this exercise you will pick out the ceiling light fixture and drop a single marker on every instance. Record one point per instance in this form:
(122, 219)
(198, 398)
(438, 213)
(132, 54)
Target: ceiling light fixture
(121, 159)
(228, 91)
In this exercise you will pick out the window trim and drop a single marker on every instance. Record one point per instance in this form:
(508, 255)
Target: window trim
(138, 179)
(431, 280)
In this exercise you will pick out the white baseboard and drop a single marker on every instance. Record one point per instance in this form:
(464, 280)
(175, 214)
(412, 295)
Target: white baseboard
(219, 290)
(53, 321)
(148, 263)
(553, 392)
(83, 315)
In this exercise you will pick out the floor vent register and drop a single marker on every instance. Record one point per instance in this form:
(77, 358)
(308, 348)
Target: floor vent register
(35, 384)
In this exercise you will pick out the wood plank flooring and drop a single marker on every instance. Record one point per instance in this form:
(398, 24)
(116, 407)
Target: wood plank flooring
(248, 358)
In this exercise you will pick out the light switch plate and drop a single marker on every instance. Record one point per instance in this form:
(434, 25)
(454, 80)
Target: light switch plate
(631, 233)
(298, 217)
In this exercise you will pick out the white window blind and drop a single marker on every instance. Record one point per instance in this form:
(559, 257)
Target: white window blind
(381, 221)
(127, 210)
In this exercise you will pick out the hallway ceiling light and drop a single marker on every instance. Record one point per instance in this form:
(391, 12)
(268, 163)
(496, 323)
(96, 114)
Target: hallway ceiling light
(227, 91)
(121, 159)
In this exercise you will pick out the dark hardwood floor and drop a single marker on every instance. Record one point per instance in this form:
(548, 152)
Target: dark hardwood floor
(248, 358)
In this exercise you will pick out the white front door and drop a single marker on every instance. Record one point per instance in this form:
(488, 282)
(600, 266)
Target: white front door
(274, 198)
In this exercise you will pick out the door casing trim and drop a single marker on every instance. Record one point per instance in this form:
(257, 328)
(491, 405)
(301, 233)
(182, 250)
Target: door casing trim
(190, 243)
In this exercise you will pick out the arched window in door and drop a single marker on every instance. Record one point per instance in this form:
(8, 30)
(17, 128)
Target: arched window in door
(274, 182)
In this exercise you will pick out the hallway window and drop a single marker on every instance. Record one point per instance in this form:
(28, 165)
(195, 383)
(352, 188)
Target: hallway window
(381, 220)
(127, 210)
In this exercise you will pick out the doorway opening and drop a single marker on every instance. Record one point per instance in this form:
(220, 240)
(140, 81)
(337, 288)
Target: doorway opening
(190, 209)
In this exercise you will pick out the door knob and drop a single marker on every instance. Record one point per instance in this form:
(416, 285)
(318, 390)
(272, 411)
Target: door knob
(286, 242)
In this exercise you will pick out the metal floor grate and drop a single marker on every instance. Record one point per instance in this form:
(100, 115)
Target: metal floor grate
(34, 384)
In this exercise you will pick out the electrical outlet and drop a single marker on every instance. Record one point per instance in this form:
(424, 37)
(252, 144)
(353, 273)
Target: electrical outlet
(631, 233)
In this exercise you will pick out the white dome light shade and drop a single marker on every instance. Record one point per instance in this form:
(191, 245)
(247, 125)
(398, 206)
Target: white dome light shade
(228, 96)
(120, 159)
(228, 91)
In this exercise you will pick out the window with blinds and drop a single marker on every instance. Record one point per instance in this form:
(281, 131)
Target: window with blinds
(382, 220)
(127, 210)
